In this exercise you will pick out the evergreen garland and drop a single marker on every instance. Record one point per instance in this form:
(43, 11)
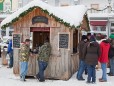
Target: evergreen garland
(45, 11)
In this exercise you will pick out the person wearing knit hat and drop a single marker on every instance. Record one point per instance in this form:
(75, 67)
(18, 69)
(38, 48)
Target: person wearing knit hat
(92, 39)
(111, 36)
(88, 36)
(84, 37)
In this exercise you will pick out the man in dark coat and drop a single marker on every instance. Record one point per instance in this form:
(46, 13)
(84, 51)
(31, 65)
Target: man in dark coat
(111, 55)
(82, 65)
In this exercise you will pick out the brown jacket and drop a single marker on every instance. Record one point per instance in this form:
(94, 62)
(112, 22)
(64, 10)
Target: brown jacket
(80, 48)
(91, 52)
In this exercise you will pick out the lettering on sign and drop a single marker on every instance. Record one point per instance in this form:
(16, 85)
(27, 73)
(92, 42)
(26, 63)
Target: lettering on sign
(39, 19)
(64, 40)
(16, 40)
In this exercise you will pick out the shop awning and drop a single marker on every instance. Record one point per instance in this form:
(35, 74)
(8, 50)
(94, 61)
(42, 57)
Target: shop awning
(44, 29)
(98, 23)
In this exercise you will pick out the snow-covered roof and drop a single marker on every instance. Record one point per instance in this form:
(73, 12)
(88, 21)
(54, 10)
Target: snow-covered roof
(72, 15)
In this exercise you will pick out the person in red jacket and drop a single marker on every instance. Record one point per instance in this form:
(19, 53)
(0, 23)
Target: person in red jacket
(103, 59)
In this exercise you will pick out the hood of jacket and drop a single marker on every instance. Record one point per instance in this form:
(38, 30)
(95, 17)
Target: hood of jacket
(105, 43)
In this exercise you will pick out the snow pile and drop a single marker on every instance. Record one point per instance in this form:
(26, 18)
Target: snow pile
(7, 78)
(70, 14)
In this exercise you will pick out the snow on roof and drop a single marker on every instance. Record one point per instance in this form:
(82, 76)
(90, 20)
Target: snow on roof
(69, 14)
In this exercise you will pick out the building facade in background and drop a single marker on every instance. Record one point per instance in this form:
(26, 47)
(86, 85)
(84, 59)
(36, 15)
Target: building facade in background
(5, 10)
(100, 14)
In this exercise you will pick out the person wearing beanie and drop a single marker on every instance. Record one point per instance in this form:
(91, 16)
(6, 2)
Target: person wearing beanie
(92, 39)
(88, 36)
(91, 52)
(82, 65)
(111, 36)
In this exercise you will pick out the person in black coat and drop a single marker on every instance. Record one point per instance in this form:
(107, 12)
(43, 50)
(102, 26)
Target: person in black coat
(111, 58)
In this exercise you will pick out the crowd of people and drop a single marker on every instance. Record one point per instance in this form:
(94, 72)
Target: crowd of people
(91, 53)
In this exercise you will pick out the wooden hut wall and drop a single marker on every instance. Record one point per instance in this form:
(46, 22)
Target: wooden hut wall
(61, 63)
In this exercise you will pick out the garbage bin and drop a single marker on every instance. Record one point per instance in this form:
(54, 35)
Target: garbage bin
(3, 56)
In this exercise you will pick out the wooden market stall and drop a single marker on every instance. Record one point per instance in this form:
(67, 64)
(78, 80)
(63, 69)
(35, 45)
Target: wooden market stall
(38, 21)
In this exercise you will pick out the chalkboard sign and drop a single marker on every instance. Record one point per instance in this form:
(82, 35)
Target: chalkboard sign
(64, 41)
(39, 19)
(16, 40)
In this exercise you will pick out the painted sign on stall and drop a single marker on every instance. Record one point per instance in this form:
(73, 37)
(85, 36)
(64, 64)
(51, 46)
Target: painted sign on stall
(16, 40)
(64, 40)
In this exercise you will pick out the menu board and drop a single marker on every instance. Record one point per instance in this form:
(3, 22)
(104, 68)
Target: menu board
(64, 40)
(16, 40)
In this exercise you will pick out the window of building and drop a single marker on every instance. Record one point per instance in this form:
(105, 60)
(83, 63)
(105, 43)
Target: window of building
(7, 6)
(112, 24)
(56, 2)
(3, 32)
(99, 28)
(99, 31)
(94, 6)
(76, 2)
(10, 33)
(100, 36)
(112, 30)
(20, 4)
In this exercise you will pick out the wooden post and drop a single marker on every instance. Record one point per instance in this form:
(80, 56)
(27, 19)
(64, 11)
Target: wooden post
(16, 61)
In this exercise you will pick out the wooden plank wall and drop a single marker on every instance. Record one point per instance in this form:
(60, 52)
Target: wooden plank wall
(61, 64)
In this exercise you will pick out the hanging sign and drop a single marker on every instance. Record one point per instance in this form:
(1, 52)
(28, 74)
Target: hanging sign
(39, 19)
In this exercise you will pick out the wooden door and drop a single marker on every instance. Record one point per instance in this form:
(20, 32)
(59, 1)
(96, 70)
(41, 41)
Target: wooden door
(75, 41)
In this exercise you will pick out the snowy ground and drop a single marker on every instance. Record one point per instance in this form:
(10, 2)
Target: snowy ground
(7, 78)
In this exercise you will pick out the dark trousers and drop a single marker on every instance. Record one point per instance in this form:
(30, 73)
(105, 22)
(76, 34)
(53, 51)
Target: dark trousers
(11, 59)
(42, 67)
(91, 73)
(112, 66)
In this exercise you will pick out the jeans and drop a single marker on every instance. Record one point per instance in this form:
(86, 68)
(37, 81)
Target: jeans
(23, 69)
(11, 59)
(103, 67)
(81, 69)
(91, 73)
(112, 66)
(42, 67)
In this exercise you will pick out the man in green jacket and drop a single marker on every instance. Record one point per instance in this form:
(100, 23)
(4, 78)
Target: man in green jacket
(43, 59)
(24, 57)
